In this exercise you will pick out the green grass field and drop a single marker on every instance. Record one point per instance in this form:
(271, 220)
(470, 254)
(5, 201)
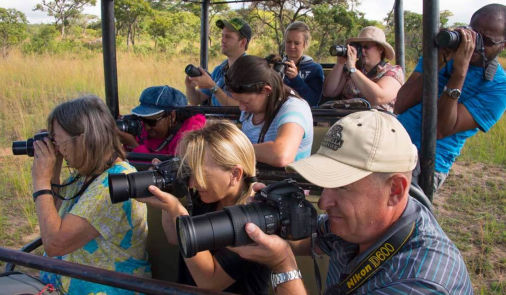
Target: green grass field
(471, 206)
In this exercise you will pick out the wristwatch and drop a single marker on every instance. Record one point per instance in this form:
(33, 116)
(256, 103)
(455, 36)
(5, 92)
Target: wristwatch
(352, 70)
(214, 88)
(452, 92)
(280, 278)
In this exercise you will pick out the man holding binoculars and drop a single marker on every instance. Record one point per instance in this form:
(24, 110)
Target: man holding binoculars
(379, 239)
(472, 87)
(235, 37)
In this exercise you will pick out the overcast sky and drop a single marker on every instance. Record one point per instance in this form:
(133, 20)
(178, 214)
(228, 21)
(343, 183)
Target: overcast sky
(373, 9)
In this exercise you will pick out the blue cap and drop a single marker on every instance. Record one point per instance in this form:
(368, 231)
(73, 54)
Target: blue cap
(156, 99)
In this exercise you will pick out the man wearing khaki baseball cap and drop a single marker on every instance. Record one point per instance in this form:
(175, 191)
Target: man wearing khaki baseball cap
(379, 239)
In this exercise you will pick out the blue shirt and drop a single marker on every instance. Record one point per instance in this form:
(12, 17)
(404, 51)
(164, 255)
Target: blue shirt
(309, 81)
(428, 263)
(294, 110)
(218, 76)
(485, 101)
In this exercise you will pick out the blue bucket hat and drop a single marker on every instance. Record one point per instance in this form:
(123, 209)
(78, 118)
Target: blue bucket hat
(157, 99)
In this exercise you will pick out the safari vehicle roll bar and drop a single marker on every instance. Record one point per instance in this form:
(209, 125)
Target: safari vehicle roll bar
(151, 286)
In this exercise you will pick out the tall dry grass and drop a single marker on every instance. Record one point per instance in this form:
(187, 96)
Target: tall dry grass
(30, 86)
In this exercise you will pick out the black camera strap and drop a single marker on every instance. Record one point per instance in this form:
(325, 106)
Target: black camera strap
(317, 273)
(372, 263)
(80, 192)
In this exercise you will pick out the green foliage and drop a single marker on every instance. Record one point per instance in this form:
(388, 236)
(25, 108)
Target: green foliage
(63, 10)
(129, 15)
(12, 29)
(333, 24)
(43, 41)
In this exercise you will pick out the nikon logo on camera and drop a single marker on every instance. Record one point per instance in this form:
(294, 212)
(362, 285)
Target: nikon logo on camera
(374, 261)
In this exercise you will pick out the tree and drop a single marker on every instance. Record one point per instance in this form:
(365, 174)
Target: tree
(12, 29)
(63, 10)
(284, 12)
(128, 14)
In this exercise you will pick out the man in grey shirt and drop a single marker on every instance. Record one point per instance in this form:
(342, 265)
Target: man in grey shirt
(379, 239)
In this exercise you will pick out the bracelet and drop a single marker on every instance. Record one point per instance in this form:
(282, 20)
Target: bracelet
(214, 89)
(36, 194)
(280, 278)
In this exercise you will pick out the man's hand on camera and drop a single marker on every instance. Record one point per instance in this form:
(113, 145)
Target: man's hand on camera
(465, 51)
(291, 69)
(203, 82)
(270, 250)
(44, 162)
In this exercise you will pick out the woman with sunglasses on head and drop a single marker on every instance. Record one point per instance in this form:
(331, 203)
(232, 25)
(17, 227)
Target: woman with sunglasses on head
(365, 73)
(222, 164)
(277, 121)
(301, 72)
(162, 128)
(77, 221)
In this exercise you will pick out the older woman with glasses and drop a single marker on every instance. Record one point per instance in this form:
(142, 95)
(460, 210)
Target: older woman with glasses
(277, 121)
(77, 221)
(162, 128)
(365, 73)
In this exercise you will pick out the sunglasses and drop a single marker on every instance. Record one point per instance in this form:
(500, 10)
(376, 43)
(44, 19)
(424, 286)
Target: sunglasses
(152, 122)
(243, 88)
(487, 41)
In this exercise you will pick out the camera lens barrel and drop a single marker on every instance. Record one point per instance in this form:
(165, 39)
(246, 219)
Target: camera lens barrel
(448, 39)
(192, 71)
(338, 50)
(134, 185)
(219, 229)
(23, 147)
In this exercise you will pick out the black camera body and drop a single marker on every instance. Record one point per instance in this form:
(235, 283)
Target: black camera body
(342, 50)
(280, 208)
(130, 124)
(192, 71)
(165, 176)
(23, 147)
(451, 39)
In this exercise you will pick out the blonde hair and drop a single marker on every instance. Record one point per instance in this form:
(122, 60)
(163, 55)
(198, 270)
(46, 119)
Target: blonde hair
(227, 146)
(300, 27)
(89, 116)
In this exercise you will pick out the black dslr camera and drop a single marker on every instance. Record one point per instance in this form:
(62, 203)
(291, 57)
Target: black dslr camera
(26, 147)
(280, 208)
(130, 124)
(135, 185)
(192, 71)
(447, 38)
(278, 63)
(342, 50)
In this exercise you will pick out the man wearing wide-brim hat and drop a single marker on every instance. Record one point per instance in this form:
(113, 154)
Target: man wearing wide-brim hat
(362, 71)
(380, 240)
(209, 88)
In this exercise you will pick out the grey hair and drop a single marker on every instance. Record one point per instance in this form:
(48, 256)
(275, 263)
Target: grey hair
(89, 116)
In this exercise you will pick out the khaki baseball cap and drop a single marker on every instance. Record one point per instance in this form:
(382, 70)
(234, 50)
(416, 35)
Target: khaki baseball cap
(355, 147)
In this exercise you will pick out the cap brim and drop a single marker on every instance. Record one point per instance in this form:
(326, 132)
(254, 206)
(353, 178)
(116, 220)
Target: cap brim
(146, 111)
(326, 172)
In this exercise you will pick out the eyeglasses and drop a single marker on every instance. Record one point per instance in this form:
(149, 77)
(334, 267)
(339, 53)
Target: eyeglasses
(152, 122)
(243, 88)
(63, 142)
(487, 41)
(368, 46)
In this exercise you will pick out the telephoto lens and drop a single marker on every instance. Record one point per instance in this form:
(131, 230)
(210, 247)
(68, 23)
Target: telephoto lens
(448, 39)
(280, 208)
(338, 50)
(135, 185)
(26, 147)
(192, 71)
